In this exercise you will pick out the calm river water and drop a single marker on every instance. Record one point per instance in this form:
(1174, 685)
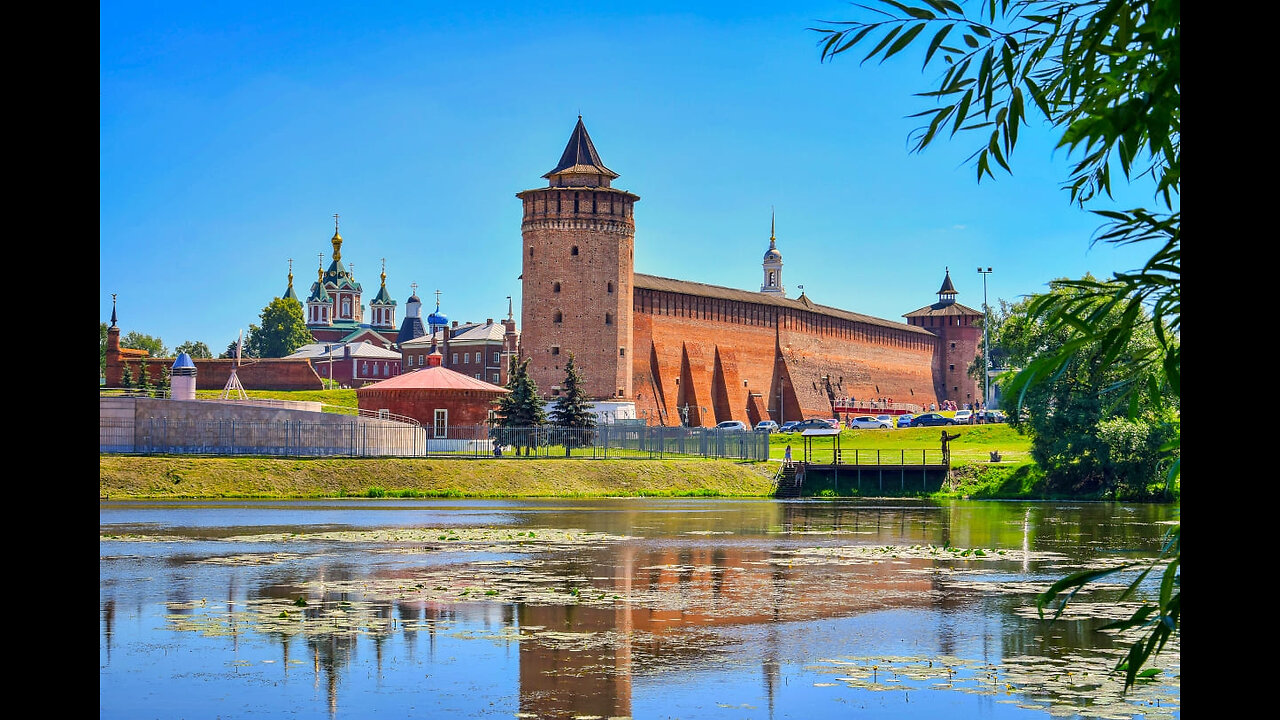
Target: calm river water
(616, 608)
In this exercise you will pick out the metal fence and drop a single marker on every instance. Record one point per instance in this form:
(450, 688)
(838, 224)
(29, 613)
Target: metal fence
(371, 439)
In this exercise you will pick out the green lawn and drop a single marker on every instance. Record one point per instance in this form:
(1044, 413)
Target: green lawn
(974, 444)
(333, 398)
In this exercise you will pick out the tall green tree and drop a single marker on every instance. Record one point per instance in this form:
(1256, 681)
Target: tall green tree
(1106, 74)
(283, 330)
(138, 341)
(194, 349)
(144, 378)
(1079, 433)
(572, 410)
(519, 414)
(126, 377)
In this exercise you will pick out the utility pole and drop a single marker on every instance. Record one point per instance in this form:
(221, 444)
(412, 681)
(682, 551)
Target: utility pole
(986, 348)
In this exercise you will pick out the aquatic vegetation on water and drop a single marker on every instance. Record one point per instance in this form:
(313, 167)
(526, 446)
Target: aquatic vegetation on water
(1075, 683)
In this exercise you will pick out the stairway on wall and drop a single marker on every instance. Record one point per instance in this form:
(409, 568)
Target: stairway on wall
(789, 482)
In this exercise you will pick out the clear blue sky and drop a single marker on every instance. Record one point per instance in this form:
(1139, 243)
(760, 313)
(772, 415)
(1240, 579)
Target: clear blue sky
(232, 132)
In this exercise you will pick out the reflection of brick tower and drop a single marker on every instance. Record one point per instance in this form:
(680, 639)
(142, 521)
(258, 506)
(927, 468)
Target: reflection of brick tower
(579, 237)
(959, 331)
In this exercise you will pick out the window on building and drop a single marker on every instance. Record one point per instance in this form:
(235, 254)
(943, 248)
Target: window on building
(622, 352)
(574, 251)
(466, 357)
(497, 357)
(364, 368)
(419, 359)
(770, 278)
(455, 358)
(608, 319)
(441, 425)
(952, 368)
(555, 349)
(557, 317)
(477, 376)
(555, 287)
(610, 286)
(530, 251)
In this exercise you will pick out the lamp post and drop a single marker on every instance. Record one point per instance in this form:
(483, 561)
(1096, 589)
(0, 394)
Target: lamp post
(986, 350)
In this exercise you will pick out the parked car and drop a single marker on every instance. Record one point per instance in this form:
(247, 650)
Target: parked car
(868, 422)
(905, 420)
(767, 426)
(732, 425)
(886, 419)
(964, 417)
(788, 426)
(992, 416)
(812, 424)
(932, 418)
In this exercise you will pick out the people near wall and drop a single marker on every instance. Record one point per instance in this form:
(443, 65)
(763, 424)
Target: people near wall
(932, 407)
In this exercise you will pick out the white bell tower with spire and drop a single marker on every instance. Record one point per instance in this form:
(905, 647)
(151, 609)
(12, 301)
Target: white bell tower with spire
(772, 265)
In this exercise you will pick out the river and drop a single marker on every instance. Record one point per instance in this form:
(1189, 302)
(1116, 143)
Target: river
(618, 608)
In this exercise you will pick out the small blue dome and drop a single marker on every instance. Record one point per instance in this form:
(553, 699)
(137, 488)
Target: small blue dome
(183, 361)
(437, 318)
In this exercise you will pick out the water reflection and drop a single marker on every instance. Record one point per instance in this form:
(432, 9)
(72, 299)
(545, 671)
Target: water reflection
(758, 601)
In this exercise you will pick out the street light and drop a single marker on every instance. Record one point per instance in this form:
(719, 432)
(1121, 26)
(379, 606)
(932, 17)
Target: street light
(986, 349)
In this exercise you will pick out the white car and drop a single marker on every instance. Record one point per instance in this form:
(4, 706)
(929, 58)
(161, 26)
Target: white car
(963, 417)
(767, 426)
(887, 420)
(870, 422)
(732, 425)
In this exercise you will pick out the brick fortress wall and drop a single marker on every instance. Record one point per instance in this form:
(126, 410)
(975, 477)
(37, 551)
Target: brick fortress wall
(212, 374)
(731, 358)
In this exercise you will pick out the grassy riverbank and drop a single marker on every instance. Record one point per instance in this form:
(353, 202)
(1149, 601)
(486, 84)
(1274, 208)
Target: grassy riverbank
(174, 477)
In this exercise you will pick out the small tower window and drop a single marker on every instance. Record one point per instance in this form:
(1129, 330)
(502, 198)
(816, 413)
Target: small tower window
(610, 286)
(530, 251)
(622, 352)
(608, 319)
(557, 317)
(574, 251)
(555, 287)
(555, 349)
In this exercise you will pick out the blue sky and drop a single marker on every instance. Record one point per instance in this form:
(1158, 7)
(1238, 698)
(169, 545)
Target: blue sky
(230, 134)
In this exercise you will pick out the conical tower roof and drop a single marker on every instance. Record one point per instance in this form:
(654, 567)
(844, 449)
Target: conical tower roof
(947, 288)
(580, 155)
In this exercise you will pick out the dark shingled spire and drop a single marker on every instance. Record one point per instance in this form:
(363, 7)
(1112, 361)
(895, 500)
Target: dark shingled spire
(947, 288)
(580, 155)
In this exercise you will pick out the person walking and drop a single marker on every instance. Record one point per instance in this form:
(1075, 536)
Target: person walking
(786, 456)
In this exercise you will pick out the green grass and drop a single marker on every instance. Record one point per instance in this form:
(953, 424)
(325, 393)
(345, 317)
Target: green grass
(335, 398)
(973, 446)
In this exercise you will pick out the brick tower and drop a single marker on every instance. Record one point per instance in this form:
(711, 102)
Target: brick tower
(579, 240)
(959, 331)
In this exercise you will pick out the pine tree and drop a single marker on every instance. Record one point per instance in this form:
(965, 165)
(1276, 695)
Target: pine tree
(520, 412)
(126, 380)
(144, 381)
(572, 410)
